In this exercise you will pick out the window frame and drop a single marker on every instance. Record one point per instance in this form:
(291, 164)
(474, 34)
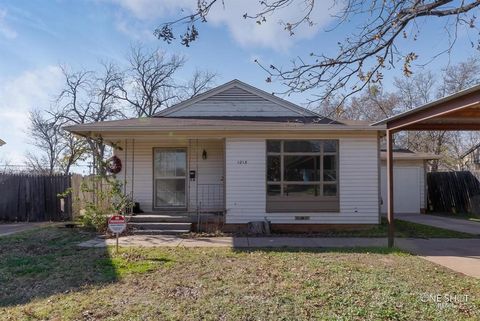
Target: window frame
(316, 203)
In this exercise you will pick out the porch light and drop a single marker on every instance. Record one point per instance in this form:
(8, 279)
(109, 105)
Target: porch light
(204, 154)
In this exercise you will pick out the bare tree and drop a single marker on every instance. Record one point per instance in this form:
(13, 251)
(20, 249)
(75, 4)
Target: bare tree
(201, 81)
(75, 149)
(90, 97)
(149, 86)
(373, 104)
(361, 57)
(423, 88)
(45, 134)
(58, 150)
(460, 76)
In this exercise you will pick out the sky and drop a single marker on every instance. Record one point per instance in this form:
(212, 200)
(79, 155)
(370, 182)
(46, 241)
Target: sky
(37, 36)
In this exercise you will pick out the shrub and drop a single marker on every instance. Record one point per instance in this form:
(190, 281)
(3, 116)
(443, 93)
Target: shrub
(102, 197)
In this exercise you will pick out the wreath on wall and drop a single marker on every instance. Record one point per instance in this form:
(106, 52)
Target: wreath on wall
(114, 165)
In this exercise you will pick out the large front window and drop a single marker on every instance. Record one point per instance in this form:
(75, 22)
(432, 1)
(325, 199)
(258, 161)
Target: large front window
(302, 175)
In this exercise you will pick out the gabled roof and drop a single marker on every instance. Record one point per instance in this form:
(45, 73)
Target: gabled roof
(234, 106)
(244, 93)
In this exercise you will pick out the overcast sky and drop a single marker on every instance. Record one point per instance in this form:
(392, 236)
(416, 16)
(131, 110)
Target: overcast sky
(37, 36)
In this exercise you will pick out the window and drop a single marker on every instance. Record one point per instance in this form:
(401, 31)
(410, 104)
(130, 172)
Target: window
(302, 175)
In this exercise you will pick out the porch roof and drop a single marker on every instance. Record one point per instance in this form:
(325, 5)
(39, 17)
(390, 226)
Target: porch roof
(169, 124)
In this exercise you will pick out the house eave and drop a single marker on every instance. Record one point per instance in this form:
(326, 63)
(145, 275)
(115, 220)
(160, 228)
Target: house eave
(88, 131)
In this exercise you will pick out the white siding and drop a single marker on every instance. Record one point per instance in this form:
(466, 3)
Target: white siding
(245, 180)
(358, 183)
(234, 102)
(210, 175)
(137, 160)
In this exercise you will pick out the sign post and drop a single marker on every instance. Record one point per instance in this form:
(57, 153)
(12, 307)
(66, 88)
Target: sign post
(117, 225)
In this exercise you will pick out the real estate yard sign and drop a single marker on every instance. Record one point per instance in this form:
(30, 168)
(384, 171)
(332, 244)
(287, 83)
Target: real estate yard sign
(117, 225)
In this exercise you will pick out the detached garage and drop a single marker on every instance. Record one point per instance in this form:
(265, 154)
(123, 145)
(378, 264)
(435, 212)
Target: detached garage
(409, 181)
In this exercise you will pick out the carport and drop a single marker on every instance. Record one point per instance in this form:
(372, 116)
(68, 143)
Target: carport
(457, 112)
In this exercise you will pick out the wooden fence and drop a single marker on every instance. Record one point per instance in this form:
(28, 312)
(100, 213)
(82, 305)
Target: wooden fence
(82, 193)
(34, 198)
(453, 192)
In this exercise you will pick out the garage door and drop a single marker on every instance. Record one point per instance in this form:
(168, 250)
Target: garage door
(406, 189)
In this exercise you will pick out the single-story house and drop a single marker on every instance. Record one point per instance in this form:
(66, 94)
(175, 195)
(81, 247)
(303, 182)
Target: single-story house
(252, 156)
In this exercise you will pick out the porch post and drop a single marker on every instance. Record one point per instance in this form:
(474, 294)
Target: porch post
(390, 214)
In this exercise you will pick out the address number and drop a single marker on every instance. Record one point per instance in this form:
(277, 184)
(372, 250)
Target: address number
(241, 162)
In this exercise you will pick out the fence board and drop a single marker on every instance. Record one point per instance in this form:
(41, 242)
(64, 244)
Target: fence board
(452, 192)
(33, 198)
(80, 198)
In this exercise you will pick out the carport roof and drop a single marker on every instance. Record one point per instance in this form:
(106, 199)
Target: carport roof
(460, 111)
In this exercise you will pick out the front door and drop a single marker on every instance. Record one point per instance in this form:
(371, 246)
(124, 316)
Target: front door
(169, 178)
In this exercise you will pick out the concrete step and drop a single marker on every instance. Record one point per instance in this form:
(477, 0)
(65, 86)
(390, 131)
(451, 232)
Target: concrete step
(159, 218)
(160, 232)
(160, 226)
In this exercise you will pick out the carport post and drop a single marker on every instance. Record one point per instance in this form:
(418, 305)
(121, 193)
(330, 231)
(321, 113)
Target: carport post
(390, 216)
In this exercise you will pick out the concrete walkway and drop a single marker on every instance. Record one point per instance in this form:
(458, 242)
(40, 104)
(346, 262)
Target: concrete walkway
(7, 229)
(453, 224)
(237, 242)
(461, 255)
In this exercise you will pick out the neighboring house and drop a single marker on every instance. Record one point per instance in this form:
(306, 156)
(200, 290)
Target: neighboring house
(253, 156)
(410, 188)
(2, 142)
(471, 159)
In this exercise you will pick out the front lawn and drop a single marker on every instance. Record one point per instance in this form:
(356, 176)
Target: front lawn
(45, 276)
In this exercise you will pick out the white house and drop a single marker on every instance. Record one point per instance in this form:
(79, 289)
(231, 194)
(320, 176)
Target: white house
(252, 156)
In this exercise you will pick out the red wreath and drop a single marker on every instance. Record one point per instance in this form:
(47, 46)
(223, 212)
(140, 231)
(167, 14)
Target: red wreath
(114, 165)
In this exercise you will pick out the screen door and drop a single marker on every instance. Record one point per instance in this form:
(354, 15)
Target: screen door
(169, 177)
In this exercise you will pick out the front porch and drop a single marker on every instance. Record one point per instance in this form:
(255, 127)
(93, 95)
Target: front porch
(184, 177)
